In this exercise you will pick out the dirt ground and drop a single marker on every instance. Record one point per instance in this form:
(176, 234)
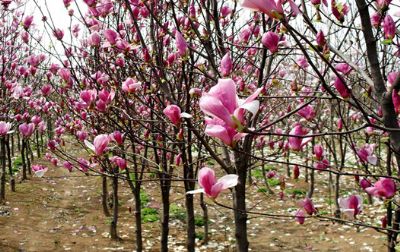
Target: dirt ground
(62, 212)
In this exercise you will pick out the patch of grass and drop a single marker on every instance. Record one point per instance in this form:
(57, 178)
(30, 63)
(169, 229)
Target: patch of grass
(199, 236)
(144, 198)
(149, 215)
(262, 190)
(323, 212)
(199, 221)
(177, 212)
(329, 201)
(298, 192)
(273, 182)
(17, 164)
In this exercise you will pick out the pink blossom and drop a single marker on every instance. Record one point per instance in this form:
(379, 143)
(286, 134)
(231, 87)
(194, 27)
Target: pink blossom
(130, 85)
(226, 65)
(68, 165)
(389, 27)
(322, 164)
(341, 88)
(111, 36)
(222, 103)
(366, 154)
(174, 114)
(26, 129)
(376, 19)
(321, 41)
(300, 216)
(339, 10)
(39, 170)
(27, 22)
(270, 40)
(297, 139)
(211, 186)
(272, 8)
(302, 62)
(307, 112)
(385, 188)
(58, 33)
(99, 145)
(351, 206)
(318, 151)
(180, 44)
(118, 161)
(343, 68)
(118, 137)
(5, 128)
(308, 206)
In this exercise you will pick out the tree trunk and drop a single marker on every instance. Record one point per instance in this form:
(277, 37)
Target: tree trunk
(3, 171)
(23, 150)
(114, 222)
(239, 197)
(10, 170)
(104, 196)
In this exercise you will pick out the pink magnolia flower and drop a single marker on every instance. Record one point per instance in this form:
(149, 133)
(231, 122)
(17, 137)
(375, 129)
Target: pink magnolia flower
(318, 151)
(321, 41)
(26, 129)
(272, 8)
(307, 112)
(389, 27)
(211, 186)
(341, 88)
(343, 68)
(351, 206)
(58, 33)
(322, 164)
(222, 103)
(300, 216)
(297, 139)
(382, 4)
(118, 161)
(111, 36)
(5, 128)
(118, 137)
(396, 101)
(318, 2)
(376, 19)
(226, 65)
(68, 165)
(174, 114)
(271, 41)
(130, 85)
(385, 188)
(308, 206)
(302, 62)
(180, 44)
(39, 170)
(339, 10)
(99, 145)
(227, 111)
(94, 39)
(366, 154)
(27, 22)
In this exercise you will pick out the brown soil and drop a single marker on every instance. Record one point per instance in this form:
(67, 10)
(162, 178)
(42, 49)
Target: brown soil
(62, 212)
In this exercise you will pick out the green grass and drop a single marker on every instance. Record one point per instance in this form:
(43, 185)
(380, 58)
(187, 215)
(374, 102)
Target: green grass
(298, 192)
(149, 215)
(177, 212)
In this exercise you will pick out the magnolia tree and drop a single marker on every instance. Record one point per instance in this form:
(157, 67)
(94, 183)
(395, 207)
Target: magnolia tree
(211, 92)
(23, 106)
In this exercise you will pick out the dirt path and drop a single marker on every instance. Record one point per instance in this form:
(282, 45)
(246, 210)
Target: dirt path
(59, 212)
(62, 212)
